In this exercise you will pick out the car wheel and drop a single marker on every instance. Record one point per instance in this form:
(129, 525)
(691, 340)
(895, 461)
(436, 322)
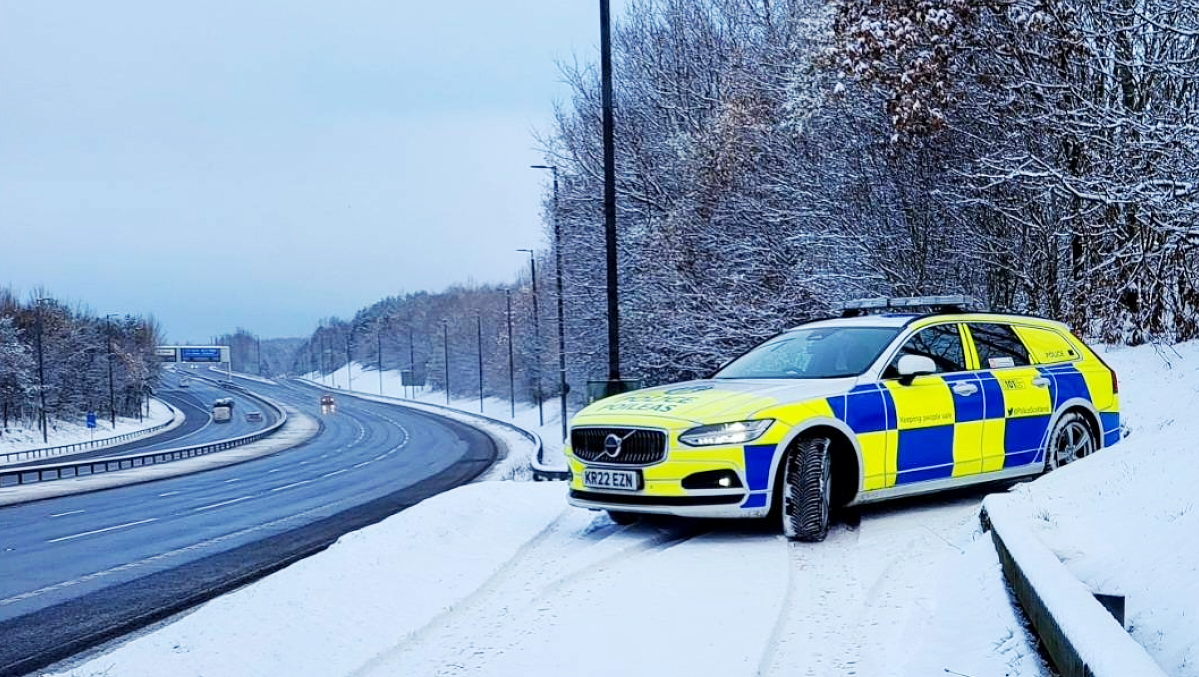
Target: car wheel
(623, 517)
(1071, 440)
(807, 490)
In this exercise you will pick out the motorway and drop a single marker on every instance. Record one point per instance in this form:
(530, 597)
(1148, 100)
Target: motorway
(195, 402)
(81, 569)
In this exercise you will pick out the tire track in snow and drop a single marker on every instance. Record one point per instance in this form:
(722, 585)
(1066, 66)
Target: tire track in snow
(483, 624)
(852, 600)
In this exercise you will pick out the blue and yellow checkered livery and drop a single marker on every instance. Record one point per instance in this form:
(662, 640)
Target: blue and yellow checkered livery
(994, 408)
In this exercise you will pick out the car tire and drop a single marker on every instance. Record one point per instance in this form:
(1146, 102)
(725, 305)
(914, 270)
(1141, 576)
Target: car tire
(621, 517)
(807, 490)
(1071, 440)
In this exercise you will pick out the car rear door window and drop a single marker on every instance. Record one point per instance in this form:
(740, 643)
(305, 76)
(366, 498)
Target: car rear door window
(998, 346)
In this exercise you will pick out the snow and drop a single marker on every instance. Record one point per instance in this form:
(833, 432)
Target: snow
(62, 432)
(1125, 521)
(503, 578)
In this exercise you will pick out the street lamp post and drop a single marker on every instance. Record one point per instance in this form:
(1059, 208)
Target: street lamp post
(479, 345)
(511, 377)
(537, 339)
(379, 351)
(349, 359)
(412, 360)
(445, 342)
(558, 275)
(41, 374)
(610, 198)
(112, 394)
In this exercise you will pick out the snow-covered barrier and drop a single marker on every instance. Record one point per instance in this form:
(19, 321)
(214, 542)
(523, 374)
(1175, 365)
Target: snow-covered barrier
(173, 422)
(25, 475)
(1080, 636)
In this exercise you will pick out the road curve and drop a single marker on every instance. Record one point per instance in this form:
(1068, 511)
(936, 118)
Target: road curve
(82, 569)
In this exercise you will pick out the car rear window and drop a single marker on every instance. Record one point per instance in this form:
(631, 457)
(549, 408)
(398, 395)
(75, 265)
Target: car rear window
(825, 352)
(998, 346)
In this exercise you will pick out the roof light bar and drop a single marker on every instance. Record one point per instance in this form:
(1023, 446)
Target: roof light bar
(953, 303)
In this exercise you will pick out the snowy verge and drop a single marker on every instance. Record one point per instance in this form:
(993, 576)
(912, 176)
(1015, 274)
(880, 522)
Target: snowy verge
(1123, 521)
(338, 611)
(1079, 634)
(19, 444)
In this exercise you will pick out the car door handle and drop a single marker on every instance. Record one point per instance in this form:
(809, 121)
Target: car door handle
(1041, 382)
(965, 389)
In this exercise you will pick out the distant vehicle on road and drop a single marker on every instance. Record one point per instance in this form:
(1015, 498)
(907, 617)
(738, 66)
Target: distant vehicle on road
(328, 405)
(253, 417)
(185, 382)
(222, 410)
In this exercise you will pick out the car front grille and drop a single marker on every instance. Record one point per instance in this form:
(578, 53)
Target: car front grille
(637, 446)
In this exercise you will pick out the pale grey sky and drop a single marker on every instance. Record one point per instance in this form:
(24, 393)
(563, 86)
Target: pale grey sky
(263, 164)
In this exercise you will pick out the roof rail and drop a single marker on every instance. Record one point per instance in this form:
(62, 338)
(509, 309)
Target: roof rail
(934, 304)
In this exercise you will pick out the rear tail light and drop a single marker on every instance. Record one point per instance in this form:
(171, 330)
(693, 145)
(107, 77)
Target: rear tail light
(1115, 382)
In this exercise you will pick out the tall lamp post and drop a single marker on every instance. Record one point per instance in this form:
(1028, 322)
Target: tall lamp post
(112, 394)
(537, 338)
(558, 275)
(349, 358)
(511, 377)
(379, 351)
(41, 373)
(614, 383)
(445, 342)
(479, 345)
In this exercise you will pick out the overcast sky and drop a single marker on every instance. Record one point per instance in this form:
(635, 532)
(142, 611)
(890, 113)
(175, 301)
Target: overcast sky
(264, 164)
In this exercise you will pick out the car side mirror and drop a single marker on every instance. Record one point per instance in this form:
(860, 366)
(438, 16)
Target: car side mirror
(911, 366)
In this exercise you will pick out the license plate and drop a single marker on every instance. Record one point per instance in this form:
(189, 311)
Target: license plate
(622, 480)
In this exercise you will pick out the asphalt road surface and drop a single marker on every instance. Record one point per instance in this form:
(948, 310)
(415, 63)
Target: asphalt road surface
(79, 570)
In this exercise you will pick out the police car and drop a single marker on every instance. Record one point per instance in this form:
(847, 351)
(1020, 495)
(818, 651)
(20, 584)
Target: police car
(895, 397)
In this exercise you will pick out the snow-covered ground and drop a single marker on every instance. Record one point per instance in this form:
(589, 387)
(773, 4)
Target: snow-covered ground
(502, 578)
(1126, 522)
(18, 437)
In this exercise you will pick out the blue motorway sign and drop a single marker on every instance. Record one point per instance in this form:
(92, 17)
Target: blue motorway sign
(199, 354)
(91, 419)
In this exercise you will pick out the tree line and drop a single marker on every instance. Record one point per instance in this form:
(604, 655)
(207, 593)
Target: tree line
(58, 362)
(775, 157)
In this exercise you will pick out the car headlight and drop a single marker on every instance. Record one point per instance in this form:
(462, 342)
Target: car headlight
(737, 432)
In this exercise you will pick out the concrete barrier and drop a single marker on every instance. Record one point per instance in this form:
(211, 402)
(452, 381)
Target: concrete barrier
(1081, 637)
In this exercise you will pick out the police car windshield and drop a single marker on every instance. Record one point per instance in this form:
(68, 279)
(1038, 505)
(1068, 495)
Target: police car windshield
(825, 352)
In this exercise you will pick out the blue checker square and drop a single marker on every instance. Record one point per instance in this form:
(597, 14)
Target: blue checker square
(1068, 383)
(966, 407)
(925, 454)
(869, 409)
(758, 459)
(1023, 438)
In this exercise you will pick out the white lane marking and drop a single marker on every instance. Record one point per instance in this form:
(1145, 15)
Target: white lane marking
(235, 479)
(273, 470)
(100, 531)
(217, 505)
(290, 519)
(304, 462)
(289, 486)
(335, 472)
(380, 457)
(64, 514)
(363, 463)
(169, 493)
